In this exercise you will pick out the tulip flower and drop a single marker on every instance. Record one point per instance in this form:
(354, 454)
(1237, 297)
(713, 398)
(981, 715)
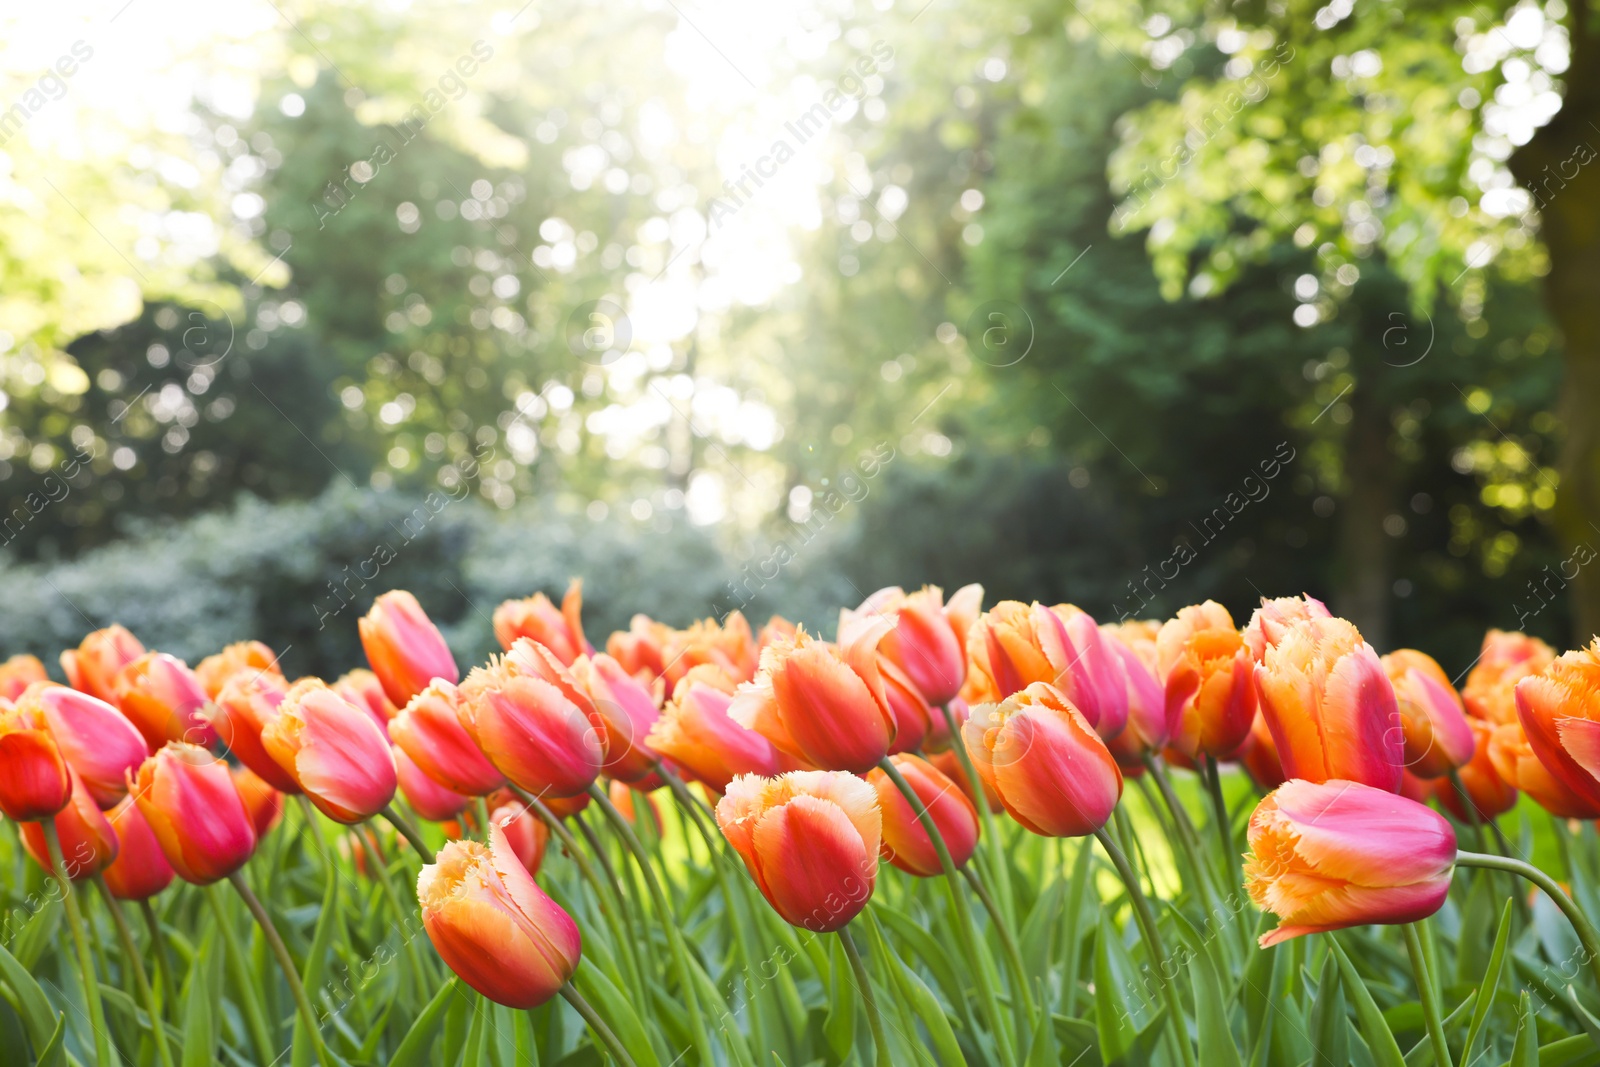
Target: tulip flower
(362, 688)
(162, 697)
(248, 701)
(1211, 696)
(1560, 712)
(696, 733)
(1274, 617)
(924, 642)
(1013, 646)
(949, 765)
(905, 843)
(728, 645)
(1330, 706)
(427, 797)
(430, 733)
(1490, 794)
(494, 926)
(93, 666)
(97, 740)
(404, 647)
(1324, 856)
(623, 797)
(1148, 729)
(777, 628)
(810, 840)
(1038, 752)
(525, 832)
(1432, 720)
(252, 656)
(140, 870)
(537, 619)
(333, 751)
(913, 718)
(261, 800)
(35, 781)
(1259, 754)
(88, 843)
(188, 797)
(641, 649)
(19, 672)
(628, 709)
(1515, 762)
(1505, 659)
(527, 714)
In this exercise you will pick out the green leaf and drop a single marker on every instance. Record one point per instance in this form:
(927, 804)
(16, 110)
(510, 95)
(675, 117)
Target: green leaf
(1380, 1039)
(1491, 982)
(54, 1052)
(418, 1042)
(317, 961)
(1330, 1035)
(618, 1013)
(25, 995)
(1112, 1018)
(1525, 1053)
(839, 1028)
(201, 1025)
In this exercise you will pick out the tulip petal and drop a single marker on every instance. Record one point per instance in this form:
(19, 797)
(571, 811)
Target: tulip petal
(1581, 739)
(1361, 730)
(812, 864)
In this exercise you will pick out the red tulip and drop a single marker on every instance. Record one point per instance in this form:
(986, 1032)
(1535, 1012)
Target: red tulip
(93, 666)
(1432, 720)
(905, 843)
(1490, 794)
(35, 781)
(1516, 763)
(429, 731)
(162, 697)
(19, 672)
(97, 740)
(427, 797)
(913, 717)
(1148, 727)
(696, 732)
(949, 765)
(362, 688)
(261, 800)
(1211, 696)
(404, 647)
(1012, 646)
(1273, 619)
(525, 832)
(195, 811)
(248, 702)
(537, 619)
(528, 715)
(1560, 712)
(924, 642)
(627, 708)
(88, 844)
(641, 649)
(241, 656)
(1259, 754)
(140, 870)
(333, 751)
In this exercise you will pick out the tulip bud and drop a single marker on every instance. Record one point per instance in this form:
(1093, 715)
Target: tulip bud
(1336, 854)
(1273, 619)
(333, 751)
(241, 656)
(1517, 765)
(810, 840)
(1147, 729)
(97, 740)
(822, 703)
(924, 642)
(538, 620)
(1013, 646)
(1259, 754)
(627, 708)
(1560, 712)
(494, 926)
(777, 628)
(161, 696)
(35, 781)
(261, 800)
(93, 667)
(19, 672)
(912, 715)
(696, 732)
(430, 733)
(525, 832)
(1432, 720)
(1331, 707)
(1211, 697)
(526, 713)
(640, 649)
(140, 870)
(248, 702)
(427, 797)
(1038, 752)
(404, 647)
(1489, 793)
(949, 765)
(88, 843)
(905, 843)
(1505, 659)
(362, 688)
(194, 809)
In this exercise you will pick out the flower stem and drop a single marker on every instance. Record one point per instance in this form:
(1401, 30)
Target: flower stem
(239, 964)
(141, 981)
(597, 1024)
(285, 962)
(1230, 861)
(1008, 944)
(91, 984)
(158, 940)
(868, 997)
(980, 800)
(1580, 922)
(1429, 994)
(409, 831)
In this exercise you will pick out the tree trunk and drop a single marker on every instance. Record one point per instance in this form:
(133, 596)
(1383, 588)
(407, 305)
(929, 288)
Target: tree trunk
(1366, 549)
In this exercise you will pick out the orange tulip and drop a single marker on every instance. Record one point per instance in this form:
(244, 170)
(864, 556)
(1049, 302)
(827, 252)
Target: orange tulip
(1490, 794)
(1331, 707)
(248, 701)
(333, 751)
(97, 740)
(913, 718)
(1211, 696)
(529, 716)
(1515, 762)
(696, 733)
(728, 645)
(140, 870)
(362, 688)
(88, 844)
(949, 765)
(1259, 754)
(1506, 659)
(1038, 752)
(35, 781)
(19, 672)
(641, 649)
(427, 797)
(1148, 729)
(494, 926)
(623, 797)
(538, 620)
(1432, 720)
(261, 800)
(810, 840)
(252, 656)
(1012, 646)
(1336, 854)
(1274, 617)
(1560, 712)
(905, 843)
(525, 832)
(777, 628)
(162, 697)
(429, 731)
(923, 642)
(628, 710)
(93, 666)
(194, 809)
(404, 647)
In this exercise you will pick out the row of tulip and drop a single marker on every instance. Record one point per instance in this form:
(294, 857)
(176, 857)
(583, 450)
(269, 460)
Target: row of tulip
(964, 746)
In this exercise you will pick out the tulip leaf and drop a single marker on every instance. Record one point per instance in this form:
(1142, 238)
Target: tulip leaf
(1071, 934)
(41, 933)
(1217, 1046)
(1042, 1049)
(316, 960)
(54, 1052)
(1330, 1035)
(25, 995)
(418, 1042)
(200, 1022)
(1113, 1018)
(1039, 931)
(1525, 1053)
(925, 948)
(1491, 982)
(1380, 1039)
(614, 1008)
(839, 1027)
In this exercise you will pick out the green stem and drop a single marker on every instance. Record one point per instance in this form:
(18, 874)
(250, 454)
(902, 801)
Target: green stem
(1213, 777)
(480, 807)
(409, 831)
(1008, 944)
(401, 914)
(1429, 994)
(159, 941)
(980, 800)
(141, 981)
(1152, 939)
(1569, 907)
(286, 963)
(91, 984)
(239, 963)
(868, 997)
(568, 842)
(597, 1024)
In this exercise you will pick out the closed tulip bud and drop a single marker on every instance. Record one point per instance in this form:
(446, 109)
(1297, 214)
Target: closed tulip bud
(1148, 728)
(810, 840)
(261, 800)
(561, 631)
(1331, 707)
(627, 708)
(1013, 646)
(252, 657)
(1505, 659)
(641, 648)
(822, 703)
(1560, 712)
(35, 781)
(19, 672)
(97, 740)
(1490, 794)
(727, 645)
(1515, 762)
(528, 716)
(1432, 720)
(492, 924)
(696, 732)
(911, 712)
(923, 642)
(1052, 771)
(949, 765)
(333, 751)
(1325, 856)
(404, 647)
(427, 797)
(429, 731)
(140, 870)
(188, 797)
(525, 832)
(1273, 619)
(905, 843)
(1211, 696)
(88, 843)
(162, 697)
(362, 688)
(248, 702)
(94, 665)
